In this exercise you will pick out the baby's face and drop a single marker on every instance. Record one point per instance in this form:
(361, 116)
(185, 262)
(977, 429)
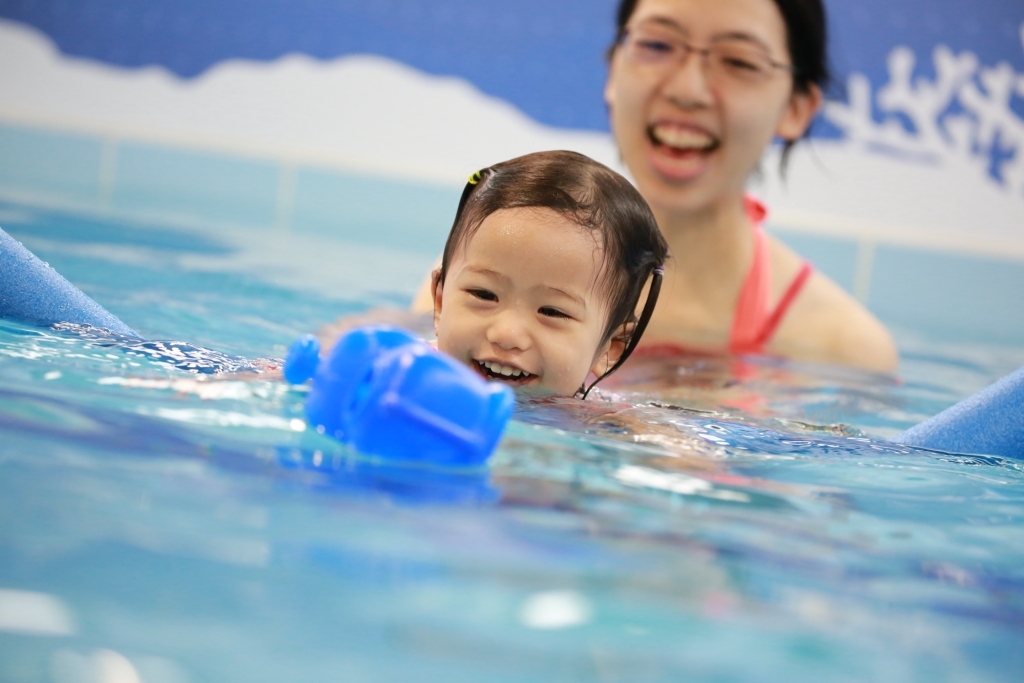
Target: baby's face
(521, 302)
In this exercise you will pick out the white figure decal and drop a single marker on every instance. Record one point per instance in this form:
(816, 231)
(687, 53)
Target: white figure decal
(965, 111)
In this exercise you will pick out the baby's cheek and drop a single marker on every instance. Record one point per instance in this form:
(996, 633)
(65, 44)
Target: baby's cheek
(459, 341)
(563, 380)
(446, 341)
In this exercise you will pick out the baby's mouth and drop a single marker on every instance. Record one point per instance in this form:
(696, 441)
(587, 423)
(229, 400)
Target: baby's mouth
(499, 372)
(682, 141)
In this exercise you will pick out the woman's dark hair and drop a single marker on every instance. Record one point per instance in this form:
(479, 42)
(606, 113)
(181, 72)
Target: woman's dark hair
(586, 193)
(806, 38)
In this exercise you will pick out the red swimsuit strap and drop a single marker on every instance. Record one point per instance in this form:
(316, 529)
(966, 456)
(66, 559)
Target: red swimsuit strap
(752, 304)
(755, 322)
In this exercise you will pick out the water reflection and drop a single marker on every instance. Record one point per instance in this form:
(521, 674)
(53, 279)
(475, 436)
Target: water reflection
(34, 614)
(408, 483)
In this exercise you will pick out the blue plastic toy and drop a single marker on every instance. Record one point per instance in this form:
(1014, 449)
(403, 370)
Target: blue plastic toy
(990, 422)
(33, 292)
(302, 360)
(388, 394)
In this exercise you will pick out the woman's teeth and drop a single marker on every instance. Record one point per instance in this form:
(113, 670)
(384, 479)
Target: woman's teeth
(502, 370)
(682, 138)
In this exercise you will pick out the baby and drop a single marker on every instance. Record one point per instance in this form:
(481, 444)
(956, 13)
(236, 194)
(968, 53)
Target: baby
(542, 273)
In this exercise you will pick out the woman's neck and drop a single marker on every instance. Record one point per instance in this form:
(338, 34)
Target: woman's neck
(710, 252)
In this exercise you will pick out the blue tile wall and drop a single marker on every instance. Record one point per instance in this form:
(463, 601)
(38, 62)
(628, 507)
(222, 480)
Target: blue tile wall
(196, 185)
(833, 256)
(60, 166)
(954, 296)
(402, 214)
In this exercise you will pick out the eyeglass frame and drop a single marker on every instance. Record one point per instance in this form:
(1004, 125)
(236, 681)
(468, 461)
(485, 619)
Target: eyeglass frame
(689, 48)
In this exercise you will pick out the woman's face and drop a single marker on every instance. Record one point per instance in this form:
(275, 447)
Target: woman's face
(692, 128)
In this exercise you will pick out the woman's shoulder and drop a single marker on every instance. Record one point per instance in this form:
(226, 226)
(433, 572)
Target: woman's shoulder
(826, 323)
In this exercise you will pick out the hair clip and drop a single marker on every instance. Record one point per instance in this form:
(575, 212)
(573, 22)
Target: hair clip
(476, 177)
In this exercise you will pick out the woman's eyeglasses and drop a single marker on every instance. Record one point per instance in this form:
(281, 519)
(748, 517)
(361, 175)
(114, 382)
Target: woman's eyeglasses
(736, 60)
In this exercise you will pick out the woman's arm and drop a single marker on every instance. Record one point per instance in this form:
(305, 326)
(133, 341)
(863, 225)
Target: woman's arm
(423, 302)
(421, 324)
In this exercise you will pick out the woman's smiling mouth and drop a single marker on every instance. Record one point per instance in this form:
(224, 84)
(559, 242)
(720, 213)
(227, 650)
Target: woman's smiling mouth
(500, 372)
(680, 152)
(682, 139)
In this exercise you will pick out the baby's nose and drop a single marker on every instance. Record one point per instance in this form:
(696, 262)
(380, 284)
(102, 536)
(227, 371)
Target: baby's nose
(509, 331)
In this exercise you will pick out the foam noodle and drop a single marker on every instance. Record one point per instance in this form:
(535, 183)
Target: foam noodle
(33, 292)
(991, 423)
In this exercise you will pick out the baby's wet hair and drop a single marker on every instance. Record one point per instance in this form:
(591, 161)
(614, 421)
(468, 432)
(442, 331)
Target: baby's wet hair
(589, 195)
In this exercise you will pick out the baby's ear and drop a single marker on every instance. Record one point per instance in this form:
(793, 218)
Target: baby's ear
(609, 354)
(436, 286)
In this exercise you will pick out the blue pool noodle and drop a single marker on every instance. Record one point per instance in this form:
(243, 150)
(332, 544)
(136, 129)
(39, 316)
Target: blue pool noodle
(990, 422)
(31, 291)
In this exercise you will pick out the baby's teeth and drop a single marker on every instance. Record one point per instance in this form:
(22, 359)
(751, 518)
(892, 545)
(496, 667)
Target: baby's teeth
(503, 370)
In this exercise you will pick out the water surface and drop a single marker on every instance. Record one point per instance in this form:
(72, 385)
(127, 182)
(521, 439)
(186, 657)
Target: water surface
(707, 520)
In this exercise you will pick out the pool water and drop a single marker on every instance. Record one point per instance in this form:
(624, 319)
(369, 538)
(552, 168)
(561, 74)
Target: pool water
(703, 520)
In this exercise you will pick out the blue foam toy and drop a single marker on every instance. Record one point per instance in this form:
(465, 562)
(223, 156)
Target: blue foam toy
(388, 394)
(990, 422)
(33, 292)
(336, 377)
(302, 360)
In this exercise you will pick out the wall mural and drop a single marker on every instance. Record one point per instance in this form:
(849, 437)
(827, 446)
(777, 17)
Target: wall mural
(923, 145)
(929, 153)
(965, 110)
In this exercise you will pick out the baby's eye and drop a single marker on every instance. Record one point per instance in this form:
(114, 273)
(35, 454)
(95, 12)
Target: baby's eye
(553, 313)
(483, 294)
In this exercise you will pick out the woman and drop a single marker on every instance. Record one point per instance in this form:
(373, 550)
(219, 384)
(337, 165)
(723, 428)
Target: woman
(696, 91)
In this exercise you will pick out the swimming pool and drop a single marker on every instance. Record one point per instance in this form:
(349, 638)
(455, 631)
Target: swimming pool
(157, 526)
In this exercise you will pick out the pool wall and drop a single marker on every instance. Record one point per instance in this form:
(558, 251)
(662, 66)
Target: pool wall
(911, 195)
